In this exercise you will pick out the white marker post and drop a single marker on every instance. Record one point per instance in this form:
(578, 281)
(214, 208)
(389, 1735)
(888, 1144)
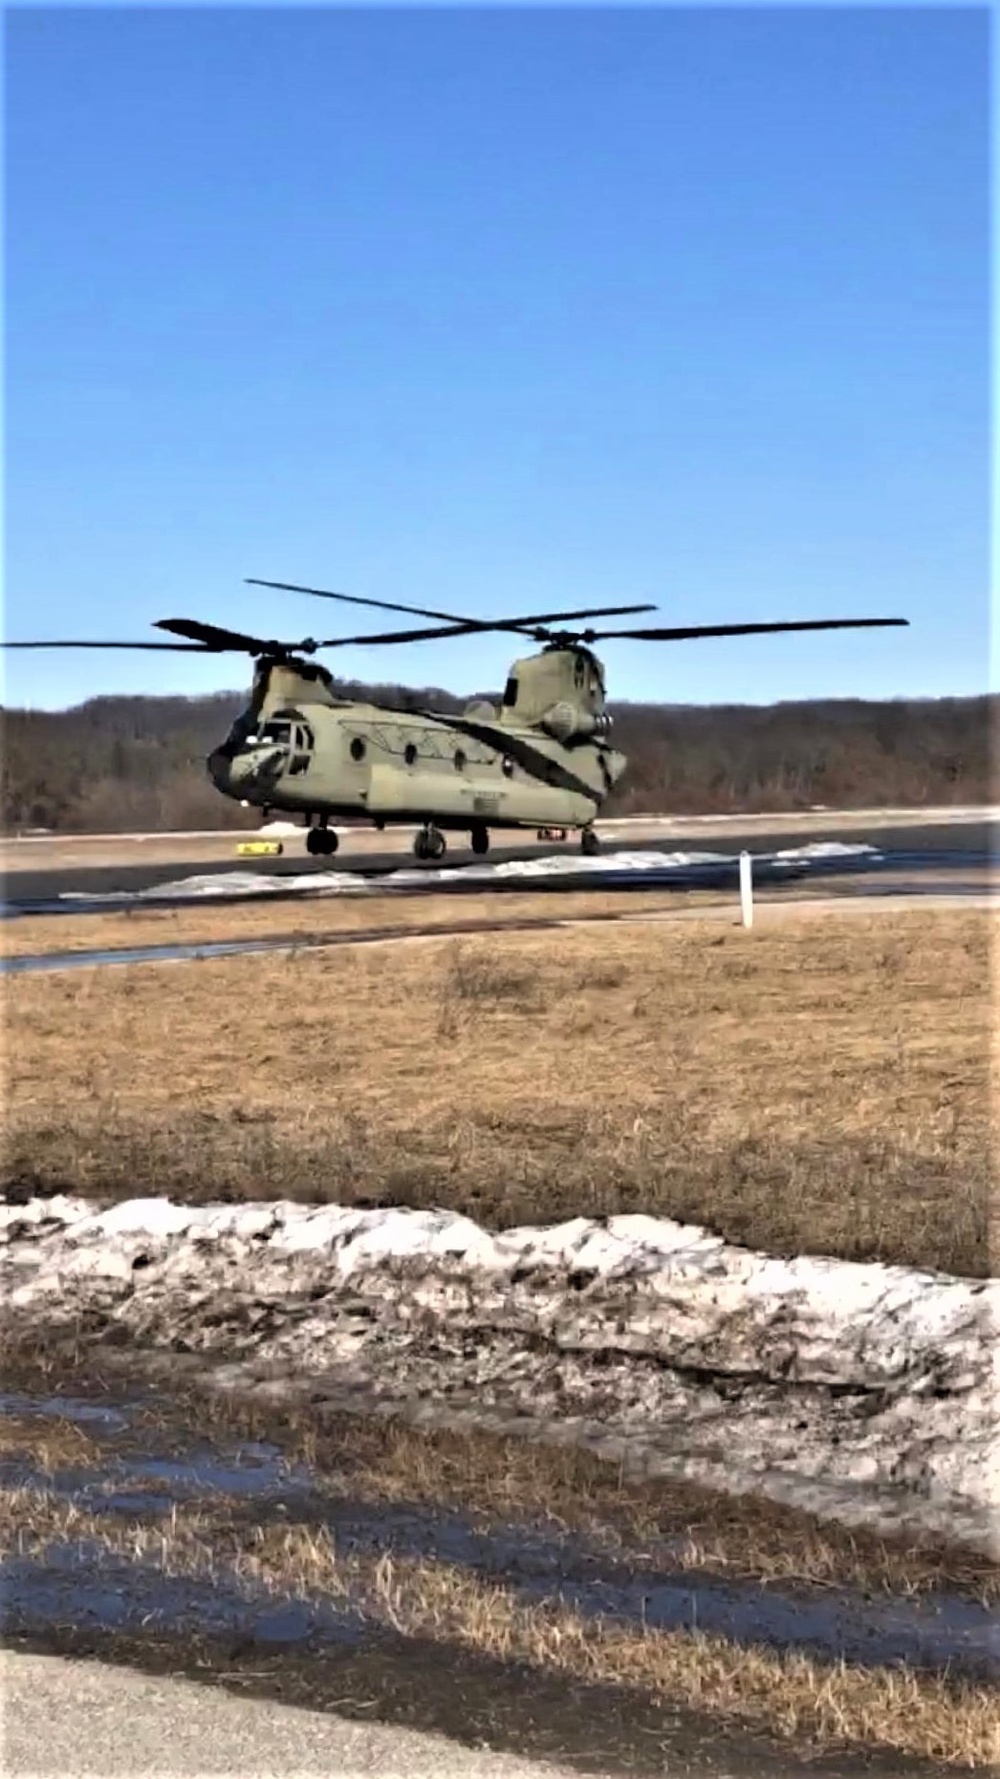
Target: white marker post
(746, 888)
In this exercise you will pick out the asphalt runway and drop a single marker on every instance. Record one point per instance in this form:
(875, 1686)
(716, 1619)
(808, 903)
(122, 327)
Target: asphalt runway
(917, 848)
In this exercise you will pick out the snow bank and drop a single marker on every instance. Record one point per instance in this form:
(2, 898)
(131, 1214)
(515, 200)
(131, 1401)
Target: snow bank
(865, 1392)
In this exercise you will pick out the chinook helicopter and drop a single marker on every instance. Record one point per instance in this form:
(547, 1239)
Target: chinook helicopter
(542, 758)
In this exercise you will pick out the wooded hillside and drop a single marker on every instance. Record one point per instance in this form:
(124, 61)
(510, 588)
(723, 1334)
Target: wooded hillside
(115, 764)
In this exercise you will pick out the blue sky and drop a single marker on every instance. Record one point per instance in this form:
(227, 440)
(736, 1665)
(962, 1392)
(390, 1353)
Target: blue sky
(500, 311)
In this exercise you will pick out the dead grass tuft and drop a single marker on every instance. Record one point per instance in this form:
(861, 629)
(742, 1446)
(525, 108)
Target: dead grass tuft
(477, 975)
(50, 1442)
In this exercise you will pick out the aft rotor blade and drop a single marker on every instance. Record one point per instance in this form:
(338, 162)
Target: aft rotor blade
(683, 633)
(391, 636)
(216, 639)
(473, 626)
(538, 620)
(177, 648)
(450, 618)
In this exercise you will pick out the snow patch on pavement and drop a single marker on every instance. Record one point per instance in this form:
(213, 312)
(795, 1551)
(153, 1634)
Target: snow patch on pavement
(865, 1392)
(818, 850)
(207, 884)
(333, 883)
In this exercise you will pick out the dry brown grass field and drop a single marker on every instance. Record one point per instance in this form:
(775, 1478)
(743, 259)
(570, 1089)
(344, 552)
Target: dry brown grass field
(817, 1085)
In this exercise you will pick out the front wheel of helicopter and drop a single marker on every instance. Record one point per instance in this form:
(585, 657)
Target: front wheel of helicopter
(321, 842)
(590, 845)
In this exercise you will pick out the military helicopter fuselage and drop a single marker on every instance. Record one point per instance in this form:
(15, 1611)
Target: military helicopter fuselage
(541, 758)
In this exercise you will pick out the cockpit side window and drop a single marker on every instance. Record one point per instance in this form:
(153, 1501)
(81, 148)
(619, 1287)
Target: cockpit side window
(510, 691)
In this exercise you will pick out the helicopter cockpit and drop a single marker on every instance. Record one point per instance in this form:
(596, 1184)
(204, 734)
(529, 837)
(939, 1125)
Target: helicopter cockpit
(293, 734)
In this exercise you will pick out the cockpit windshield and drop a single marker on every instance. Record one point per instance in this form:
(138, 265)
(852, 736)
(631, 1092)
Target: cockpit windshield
(279, 729)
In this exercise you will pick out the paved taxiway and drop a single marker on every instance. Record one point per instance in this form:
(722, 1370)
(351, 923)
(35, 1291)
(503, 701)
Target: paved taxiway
(964, 846)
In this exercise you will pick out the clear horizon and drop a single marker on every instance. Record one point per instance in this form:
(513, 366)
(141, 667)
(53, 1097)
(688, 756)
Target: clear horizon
(501, 311)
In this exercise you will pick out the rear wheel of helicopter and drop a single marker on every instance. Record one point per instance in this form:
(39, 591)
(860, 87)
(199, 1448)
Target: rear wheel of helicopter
(480, 838)
(589, 843)
(430, 843)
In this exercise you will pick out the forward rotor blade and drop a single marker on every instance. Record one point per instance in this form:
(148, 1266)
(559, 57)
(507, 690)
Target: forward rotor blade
(213, 637)
(216, 638)
(385, 605)
(177, 648)
(684, 632)
(391, 636)
(452, 618)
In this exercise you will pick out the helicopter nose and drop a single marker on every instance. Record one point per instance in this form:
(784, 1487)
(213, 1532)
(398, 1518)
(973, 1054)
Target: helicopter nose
(245, 770)
(261, 765)
(219, 766)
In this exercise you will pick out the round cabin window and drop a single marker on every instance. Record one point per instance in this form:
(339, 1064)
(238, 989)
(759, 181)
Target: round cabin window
(459, 760)
(357, 748)
(507, 766)
(410, 754)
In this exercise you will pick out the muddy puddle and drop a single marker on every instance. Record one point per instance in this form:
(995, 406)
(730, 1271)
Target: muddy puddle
(131, 1468)
(80, 1589)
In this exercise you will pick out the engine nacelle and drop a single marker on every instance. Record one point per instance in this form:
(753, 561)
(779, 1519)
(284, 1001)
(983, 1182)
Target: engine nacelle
(562, 721)
(565, 720)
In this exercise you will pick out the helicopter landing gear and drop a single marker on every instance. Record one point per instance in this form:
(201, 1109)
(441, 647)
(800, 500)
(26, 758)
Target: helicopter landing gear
(480, 838)
(321, 842)
(590, 845)
(430, 843)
